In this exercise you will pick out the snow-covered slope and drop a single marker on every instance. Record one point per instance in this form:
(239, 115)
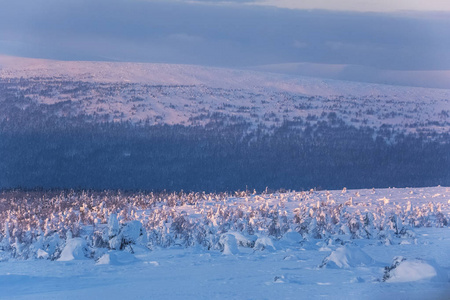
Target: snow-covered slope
(313, 132)
(184, 94)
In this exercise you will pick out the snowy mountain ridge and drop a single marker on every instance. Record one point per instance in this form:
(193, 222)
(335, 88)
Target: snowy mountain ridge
(187, 95)
(173, 74)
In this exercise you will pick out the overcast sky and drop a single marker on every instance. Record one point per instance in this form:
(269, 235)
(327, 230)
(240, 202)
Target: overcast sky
(397, 35)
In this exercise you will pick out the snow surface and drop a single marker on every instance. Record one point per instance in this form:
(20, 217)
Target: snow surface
(261, 265)
(291, 273)
(116, 258)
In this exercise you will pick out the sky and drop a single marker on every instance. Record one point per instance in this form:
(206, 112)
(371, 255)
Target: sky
(398, 42)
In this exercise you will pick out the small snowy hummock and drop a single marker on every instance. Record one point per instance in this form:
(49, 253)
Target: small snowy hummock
(229, 244)
(347, 257)
(75, 249)
(403, 270)
(116, 258)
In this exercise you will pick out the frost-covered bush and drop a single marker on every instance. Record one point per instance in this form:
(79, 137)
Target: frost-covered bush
(128, 234)
(39, 225)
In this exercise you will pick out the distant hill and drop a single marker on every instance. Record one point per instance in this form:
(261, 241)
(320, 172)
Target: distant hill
(157, 126)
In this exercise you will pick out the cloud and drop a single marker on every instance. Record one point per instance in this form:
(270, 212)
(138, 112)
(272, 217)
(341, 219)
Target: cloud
(298, 44)
(427, 78)
(185, 38)
(346, 5)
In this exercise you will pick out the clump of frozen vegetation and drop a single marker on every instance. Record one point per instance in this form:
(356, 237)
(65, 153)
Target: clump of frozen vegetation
(99, 225)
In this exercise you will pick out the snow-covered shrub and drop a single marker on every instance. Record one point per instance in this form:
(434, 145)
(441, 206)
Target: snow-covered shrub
(228, 244)
(74, 249)
(182, 230)
(129, 233)
(264, 243)
(441, 220)
(40, 224)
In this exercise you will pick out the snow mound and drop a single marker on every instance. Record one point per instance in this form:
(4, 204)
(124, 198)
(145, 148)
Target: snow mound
(228, 242)
(347, 257)
(403, 270)
(130, 233)
(292, 237)
(116, 258)
(75, 249)
(264, 243)
(41, 254)
(243, 241)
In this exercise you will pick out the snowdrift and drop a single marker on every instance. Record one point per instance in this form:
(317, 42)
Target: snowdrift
(75, 249)
(116, 258)
(347, 257)
(409, 270)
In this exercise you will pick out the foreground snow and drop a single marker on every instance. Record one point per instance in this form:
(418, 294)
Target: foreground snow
(394, 243)
(289, 273)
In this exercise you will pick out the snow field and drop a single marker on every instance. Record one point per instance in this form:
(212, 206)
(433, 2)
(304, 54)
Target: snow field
(193, 273)
(348, 244)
